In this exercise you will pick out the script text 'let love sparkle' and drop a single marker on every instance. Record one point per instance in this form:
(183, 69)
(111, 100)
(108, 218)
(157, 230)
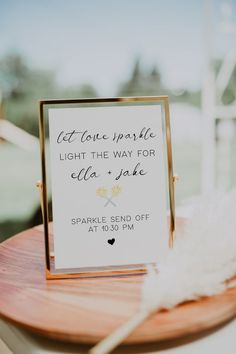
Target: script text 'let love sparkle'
(85, 136)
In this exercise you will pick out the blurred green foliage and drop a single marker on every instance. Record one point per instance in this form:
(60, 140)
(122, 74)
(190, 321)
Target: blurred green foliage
(229, 94)
(149, 82)
(22, 87)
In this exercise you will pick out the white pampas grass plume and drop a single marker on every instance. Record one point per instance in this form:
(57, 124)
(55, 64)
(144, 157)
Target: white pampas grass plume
(202, 260)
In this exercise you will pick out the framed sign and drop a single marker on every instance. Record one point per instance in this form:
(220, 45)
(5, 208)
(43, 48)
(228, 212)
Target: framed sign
(107, 163)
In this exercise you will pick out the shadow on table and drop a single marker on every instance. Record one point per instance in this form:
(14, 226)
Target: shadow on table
(63, 347)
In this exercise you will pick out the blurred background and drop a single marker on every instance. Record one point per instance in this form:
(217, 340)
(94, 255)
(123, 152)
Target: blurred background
(75, 48)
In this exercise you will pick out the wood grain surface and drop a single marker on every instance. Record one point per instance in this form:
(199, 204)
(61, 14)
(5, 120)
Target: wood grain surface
(87, 310)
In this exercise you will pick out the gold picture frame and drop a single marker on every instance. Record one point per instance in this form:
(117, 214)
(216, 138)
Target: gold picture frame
(51, 272)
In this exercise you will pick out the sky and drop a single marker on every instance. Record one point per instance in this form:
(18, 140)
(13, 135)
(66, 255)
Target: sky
(97, 41)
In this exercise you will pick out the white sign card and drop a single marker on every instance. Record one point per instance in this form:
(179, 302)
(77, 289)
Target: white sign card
(108, 180)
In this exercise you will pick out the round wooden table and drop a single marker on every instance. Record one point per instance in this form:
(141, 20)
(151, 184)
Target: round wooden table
(87, 310)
